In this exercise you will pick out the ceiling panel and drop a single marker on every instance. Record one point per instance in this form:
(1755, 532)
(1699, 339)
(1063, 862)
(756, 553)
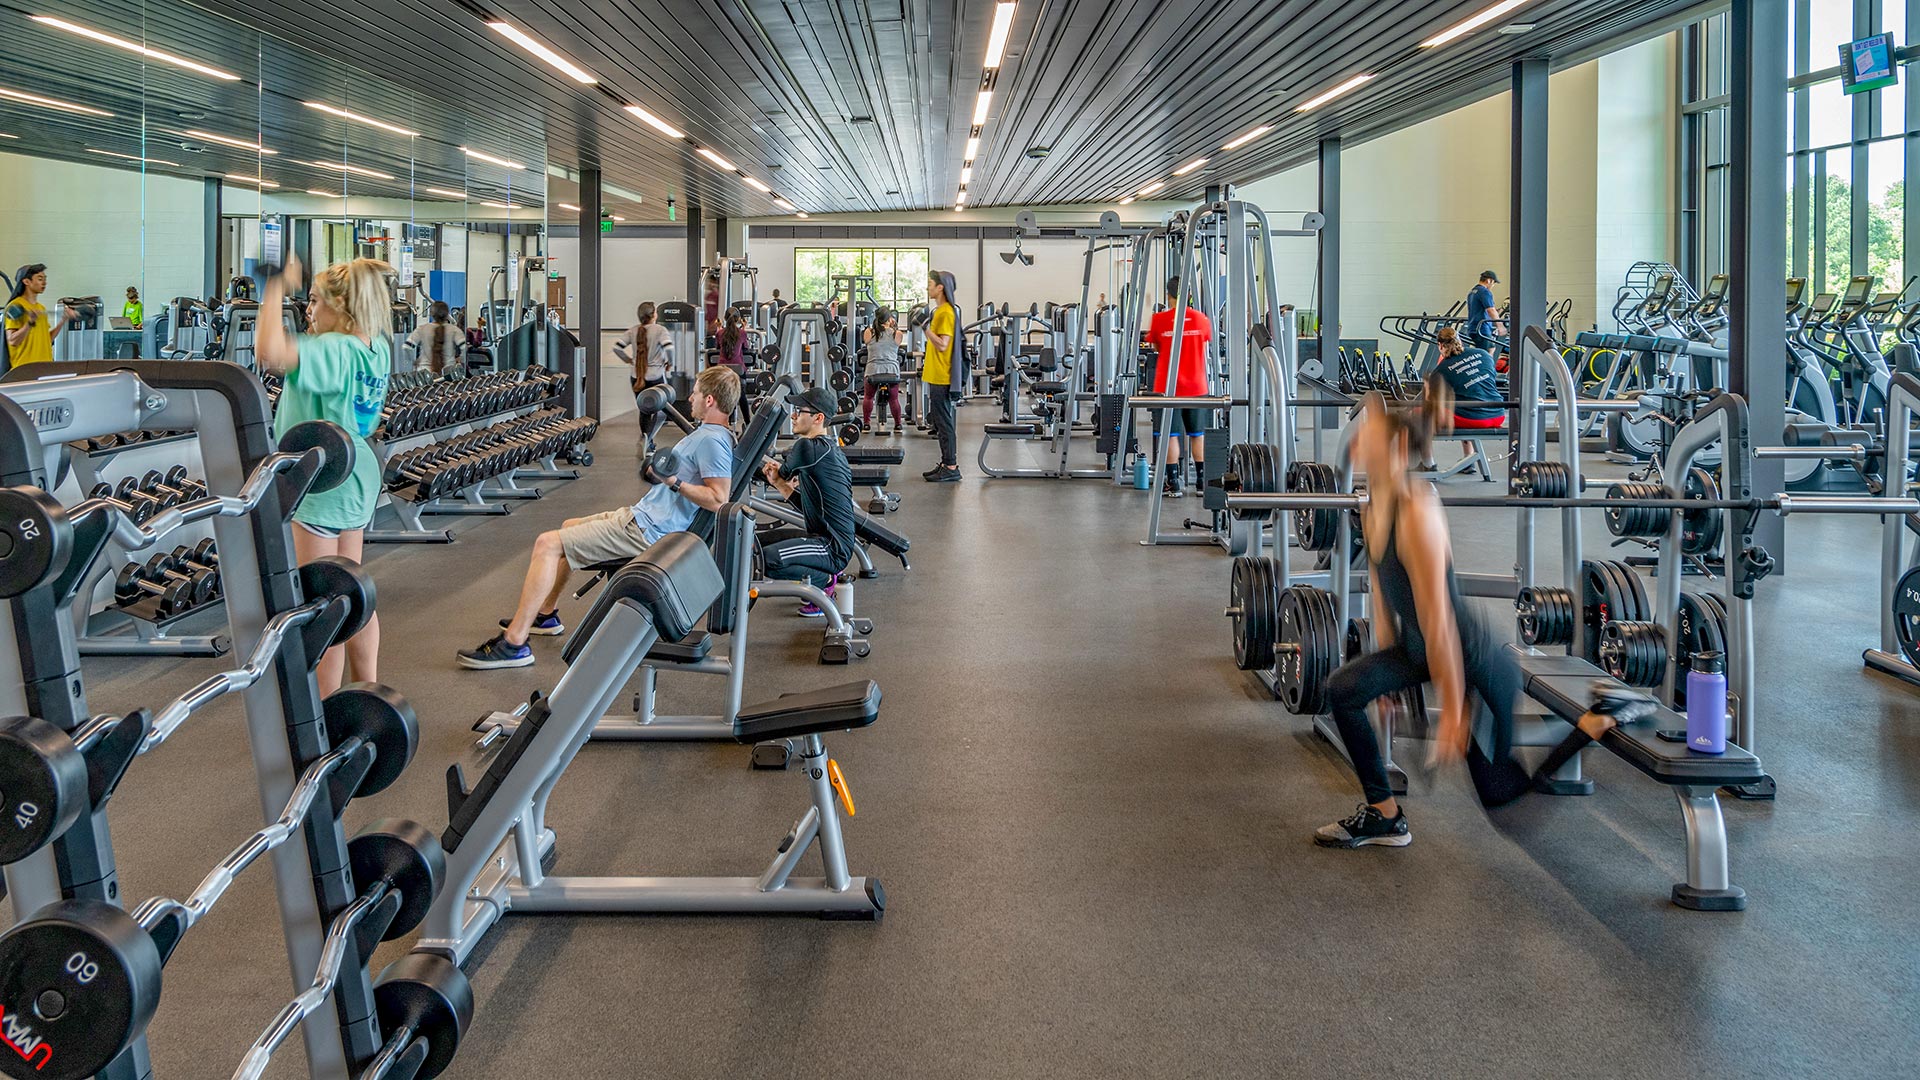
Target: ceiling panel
(839, 105)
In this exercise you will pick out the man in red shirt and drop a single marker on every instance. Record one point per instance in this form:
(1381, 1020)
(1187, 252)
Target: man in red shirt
(1192, 382)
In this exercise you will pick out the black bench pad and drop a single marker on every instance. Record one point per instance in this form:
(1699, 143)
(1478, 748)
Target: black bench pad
(1021, 430)
(836, 708)
(690, 651)
(871, 474)
(1564, 684)
(1050, 386)
(875, 455)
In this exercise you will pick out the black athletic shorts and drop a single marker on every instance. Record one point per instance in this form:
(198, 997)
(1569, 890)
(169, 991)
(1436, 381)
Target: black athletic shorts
(1193, 422)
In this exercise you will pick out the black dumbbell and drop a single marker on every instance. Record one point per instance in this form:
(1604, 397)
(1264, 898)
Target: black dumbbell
(140, 505)
(175, 595)
(204, 581)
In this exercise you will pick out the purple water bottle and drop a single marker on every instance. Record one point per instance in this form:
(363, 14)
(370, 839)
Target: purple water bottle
(1707, 703)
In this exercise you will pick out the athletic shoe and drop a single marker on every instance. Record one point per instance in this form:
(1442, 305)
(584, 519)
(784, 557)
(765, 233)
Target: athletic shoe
(945, 474)
(931, 473)
(1171, 487)
(1367, 827)
(496, 653)
(546, 624)
(810, 610)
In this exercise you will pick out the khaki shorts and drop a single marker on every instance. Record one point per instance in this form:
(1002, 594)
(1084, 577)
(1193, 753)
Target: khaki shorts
(610, 537)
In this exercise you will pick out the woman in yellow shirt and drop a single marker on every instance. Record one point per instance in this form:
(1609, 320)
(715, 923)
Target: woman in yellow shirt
(942, 375)
(29, 334)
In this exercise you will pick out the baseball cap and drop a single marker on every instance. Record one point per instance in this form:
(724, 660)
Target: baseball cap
(1491, 276)
(818, 399)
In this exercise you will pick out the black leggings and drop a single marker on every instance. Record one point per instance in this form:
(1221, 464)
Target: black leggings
(1492, 673)
(940, 416)
(796, 555)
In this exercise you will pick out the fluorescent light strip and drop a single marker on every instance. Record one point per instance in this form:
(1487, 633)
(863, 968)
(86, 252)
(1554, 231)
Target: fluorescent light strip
(1189, 166)
(569, 206)
(656, 123)
(131, 157)
(782, 203)
(1151, 188)
(617, 217)
(358, 119)
(715, 158)
(4, 135)
(255, 181)
(447, 192)
(960, 198)
(51, 103)
(531, 44)
(228, 140)
(973, 148)
(799, 213)
(966, 176)
(135, 47)
(1333, 93)
(1126, 201)
(1248, 137)
(490, 159)
(981, 107)
(497, 205)
(997, 39)
(354, 169)
(1472, 24)
(326, 194)
(757, 185)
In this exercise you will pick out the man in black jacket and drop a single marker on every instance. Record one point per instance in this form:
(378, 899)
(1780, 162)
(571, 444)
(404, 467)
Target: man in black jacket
(816, 480)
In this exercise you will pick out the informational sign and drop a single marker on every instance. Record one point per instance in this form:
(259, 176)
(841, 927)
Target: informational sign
(1868, 64)
(406, 264)
(273, 245)
(513, 275)
(606, 227)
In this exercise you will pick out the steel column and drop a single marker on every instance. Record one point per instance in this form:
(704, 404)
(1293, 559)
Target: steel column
(1329, 313)
(1527, 295)
(588, 377)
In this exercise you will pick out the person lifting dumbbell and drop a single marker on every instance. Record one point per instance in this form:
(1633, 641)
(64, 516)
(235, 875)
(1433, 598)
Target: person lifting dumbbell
(695, 473)
(29, 332)
(815, 478)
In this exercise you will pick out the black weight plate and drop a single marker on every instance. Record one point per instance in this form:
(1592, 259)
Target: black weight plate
(46, 785)
(1251, 596)
(379, 715)
(337, 575)
(335, 446)
(428, 995)
(79, 980)
(408, 856)
(1700, 530)
(35, 539)
(1359, 639)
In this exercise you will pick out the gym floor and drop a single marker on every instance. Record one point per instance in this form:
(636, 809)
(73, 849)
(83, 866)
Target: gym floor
(1094, 836)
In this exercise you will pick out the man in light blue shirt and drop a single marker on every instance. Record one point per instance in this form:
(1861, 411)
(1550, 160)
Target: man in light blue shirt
(703, 480)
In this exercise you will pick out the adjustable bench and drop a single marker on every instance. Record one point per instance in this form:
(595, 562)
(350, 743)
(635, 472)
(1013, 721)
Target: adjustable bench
(876, 477)
(1564, 686)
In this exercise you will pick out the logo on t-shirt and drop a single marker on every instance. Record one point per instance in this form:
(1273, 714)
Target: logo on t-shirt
(369, 393)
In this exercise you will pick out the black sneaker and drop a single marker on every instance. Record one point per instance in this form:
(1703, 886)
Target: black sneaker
(945, 474)
(1171, 487)
(1367, 827)
(931, 473)
(496, 653)
(546, 624)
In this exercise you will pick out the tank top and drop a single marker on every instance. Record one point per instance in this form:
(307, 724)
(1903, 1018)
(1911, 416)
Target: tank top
(883, 359)
(1394, 588)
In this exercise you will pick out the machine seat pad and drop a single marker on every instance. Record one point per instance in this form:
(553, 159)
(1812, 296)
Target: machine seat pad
(1025, 431)
(675, 581)
(690, 651)
(836, 708)
(875, 455)
(870, 531)
(1564, 684)
(871, 474)
(1050, 386)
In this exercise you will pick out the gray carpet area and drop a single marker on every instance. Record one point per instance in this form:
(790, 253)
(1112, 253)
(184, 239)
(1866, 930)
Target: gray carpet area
(1094, 834)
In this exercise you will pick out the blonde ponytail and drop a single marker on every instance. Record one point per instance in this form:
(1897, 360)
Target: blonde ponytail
(358, 291)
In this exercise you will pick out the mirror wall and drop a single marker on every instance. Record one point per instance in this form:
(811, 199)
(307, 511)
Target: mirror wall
(156, 156)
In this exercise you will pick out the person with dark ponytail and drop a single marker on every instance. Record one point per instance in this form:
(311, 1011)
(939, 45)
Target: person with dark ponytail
(642, 347)
(943, 374)
(437, 345)
(1423, 629)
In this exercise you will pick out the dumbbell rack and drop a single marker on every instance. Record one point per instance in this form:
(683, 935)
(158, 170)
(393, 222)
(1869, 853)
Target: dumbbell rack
(472, 499)
(102, 625)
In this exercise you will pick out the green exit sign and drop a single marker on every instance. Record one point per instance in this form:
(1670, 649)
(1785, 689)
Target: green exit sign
(606, 226)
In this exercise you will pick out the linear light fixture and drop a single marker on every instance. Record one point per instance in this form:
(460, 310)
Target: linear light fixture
(800, 213)
(973, 148)
(538, 48)
(1151, 188)
(354, 169)
(1189, 166)
(447, 192)
(966, 176)
(490, 159)
(757, 185)
(135, 47)
(656, 123)
(254, 181)
(960, 199)
(358, 119)
(1468, 26)
(1344, 87)
(1248, 137)
(497, 205)
(51, 103)
(4, 135)
(997, 39)
(325, 194)
(715, 158)
(228, 140)
(617, 217)
(131, 157)
(1126, 201)
(782, 203)
(981, 107)
(569, 206)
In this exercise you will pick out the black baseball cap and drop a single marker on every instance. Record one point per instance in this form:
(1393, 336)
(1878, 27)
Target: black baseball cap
(819, 399)
(1488, 275)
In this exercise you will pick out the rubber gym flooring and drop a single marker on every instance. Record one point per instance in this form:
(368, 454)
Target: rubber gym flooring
(1094, 836)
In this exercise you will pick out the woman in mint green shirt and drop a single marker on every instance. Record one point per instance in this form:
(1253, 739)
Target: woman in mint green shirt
(337, 373)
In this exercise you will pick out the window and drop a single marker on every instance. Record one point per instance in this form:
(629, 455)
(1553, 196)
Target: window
(899, 274)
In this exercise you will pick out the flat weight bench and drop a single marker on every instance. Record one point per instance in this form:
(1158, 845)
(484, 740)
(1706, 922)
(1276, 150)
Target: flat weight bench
(1564, 685)
(876, 477)
(875, 455)
(1475, 457)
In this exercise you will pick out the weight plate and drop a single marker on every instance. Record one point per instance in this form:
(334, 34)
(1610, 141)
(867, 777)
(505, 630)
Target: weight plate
(335, 447)
(46, 785)
(1701, 530)
(35, 540)
(426, 994)
(1253, 601)
(79, 980)
(1306, 649)
(337, 575)
(406, 855)
(379, 715)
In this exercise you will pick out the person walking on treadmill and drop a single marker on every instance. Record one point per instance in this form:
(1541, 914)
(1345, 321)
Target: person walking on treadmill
(1483, 327)
(1191, 354)
(814, 478)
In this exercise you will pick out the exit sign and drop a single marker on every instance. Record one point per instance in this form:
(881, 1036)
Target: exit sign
(606, 226)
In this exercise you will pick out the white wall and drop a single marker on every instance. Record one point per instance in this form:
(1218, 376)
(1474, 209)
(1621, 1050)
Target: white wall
(1634, 178)
(634, 268)
(100, 229)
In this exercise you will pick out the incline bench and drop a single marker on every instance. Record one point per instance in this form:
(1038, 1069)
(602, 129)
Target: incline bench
(870, 466)
(1564, 685)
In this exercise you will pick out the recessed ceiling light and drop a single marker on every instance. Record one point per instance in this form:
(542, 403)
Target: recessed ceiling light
(966, 176)
(1189, 166)
(539, 48)
(997, 37)
(135, 47)
(228, 140)
(355, 169)
(4, 135)
(1125, 201)
(715, 158)
(358, 119)
(1516, 28)
(656, 123)
(1468, 26)
(130, 157)
(490, 159)
(1343, 88)
(569, 206)
(981, 107)
(1248, 137)
(800, 213)
(447, 192)
(1038, 152)
(757, 185)
(50, 103)
(1151, 188)
(255, 181)
(497, 205)
(325, 194)
(782, 203)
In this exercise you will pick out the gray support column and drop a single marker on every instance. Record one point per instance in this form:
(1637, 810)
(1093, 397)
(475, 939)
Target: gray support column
(694, 294)
(1757, 248)
(1527, 295)
(588, 318)
(720, 236)
(210, 222)
(1329, 269)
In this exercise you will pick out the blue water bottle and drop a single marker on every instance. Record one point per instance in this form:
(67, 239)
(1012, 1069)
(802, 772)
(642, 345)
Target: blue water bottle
(1707, 703)
(1142, 473)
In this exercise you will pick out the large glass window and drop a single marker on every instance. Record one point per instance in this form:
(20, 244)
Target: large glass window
(899, 274)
